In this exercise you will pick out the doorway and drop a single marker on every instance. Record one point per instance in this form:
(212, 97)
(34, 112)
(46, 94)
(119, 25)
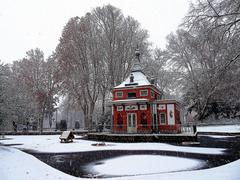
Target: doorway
(131, 122)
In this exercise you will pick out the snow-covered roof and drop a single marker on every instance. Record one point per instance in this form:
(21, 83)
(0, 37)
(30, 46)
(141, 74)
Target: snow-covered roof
(139, 80)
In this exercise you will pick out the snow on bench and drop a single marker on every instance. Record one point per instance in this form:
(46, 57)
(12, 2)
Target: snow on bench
(67, 136)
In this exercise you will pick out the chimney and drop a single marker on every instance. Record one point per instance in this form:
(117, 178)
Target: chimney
(152, 80)
(131, 78)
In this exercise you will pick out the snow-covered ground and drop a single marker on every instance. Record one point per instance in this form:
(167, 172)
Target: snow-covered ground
(223, 128)
(50, 143)
(15, 164)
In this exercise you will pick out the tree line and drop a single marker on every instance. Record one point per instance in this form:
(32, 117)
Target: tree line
(199, 66)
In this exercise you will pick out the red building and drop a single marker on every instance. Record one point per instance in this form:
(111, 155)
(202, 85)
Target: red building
(138, 106)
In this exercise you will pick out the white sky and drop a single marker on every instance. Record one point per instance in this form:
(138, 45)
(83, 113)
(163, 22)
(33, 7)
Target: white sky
(27, 24)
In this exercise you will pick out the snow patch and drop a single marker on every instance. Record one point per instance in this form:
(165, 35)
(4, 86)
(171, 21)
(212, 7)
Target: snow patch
(143, 164)
(224, 128)
(15, 164)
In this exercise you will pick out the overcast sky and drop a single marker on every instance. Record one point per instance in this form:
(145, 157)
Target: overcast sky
(27, 24)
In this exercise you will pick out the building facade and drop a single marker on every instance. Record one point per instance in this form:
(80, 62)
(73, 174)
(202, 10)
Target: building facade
(138, 106)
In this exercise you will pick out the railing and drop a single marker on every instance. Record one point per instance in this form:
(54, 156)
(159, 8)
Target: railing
(137, 126)
(188, 129)
(140, 128)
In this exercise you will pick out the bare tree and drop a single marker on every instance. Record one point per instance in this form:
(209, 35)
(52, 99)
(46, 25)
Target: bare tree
(206, 52)
(119, 36)
(37, 79)
(158, 68)
(5, 96)
(77, 55)
(222, 15)
(95, 53)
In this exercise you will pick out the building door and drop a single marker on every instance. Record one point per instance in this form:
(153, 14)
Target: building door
(131, 122)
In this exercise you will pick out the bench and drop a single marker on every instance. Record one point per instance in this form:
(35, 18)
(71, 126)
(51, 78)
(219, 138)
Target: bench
(66, 137)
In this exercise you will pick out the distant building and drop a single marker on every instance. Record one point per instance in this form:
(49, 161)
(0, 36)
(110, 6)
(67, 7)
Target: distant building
(138, 107)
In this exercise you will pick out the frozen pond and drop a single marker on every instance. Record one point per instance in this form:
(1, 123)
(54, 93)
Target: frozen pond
(118, 163)
(142, 165)
(129, 159)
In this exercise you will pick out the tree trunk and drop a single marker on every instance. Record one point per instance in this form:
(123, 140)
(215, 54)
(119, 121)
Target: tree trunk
(85, 113)
(40, 123)
(103, 103)
(91, 109)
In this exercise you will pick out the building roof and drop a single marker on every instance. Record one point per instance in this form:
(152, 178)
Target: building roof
(129, 101)
(167, 101)
(139, 80)
(137, 76)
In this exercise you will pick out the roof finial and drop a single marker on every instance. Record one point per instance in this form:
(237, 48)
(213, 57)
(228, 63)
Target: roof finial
(136, 63)
(137, 53)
